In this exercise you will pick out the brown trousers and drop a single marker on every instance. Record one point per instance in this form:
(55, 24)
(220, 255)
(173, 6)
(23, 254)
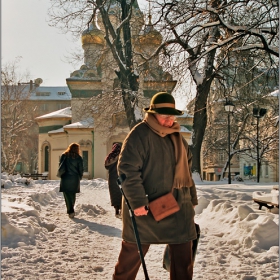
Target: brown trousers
(181, 264)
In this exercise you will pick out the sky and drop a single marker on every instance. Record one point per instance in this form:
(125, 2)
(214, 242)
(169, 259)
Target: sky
(43, 49)
(39, 241)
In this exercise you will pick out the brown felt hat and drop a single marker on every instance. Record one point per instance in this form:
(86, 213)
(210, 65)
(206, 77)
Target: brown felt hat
(163, 103)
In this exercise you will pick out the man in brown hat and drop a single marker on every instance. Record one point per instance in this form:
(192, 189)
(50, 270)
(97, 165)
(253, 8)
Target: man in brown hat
(156, 160)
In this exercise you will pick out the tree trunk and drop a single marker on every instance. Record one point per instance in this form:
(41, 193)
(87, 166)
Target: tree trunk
(129, 110)
(128, 79)
(199, 123)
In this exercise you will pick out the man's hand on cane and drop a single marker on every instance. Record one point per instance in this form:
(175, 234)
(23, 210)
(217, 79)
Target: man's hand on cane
(141, 211)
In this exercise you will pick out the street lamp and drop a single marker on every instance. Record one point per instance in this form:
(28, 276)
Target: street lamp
(229, 109)
(258, 113)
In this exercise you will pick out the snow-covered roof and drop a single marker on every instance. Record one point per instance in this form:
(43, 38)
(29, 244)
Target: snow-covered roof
(65, 112)
(87, 123)
(32, 92)
(60, 130)
(51, 93)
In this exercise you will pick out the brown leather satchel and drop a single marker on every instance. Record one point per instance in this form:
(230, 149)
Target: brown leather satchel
(164, 206)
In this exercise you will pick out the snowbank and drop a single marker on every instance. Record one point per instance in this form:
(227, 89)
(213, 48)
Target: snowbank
(237, 241)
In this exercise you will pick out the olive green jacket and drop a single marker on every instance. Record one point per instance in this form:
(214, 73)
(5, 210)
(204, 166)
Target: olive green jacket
(148, 162)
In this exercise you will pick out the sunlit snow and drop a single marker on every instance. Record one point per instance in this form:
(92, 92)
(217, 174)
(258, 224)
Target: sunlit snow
(40, 241)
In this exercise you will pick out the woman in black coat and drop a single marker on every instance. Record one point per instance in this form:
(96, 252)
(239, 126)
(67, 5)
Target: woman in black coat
(114, 190)
(70, 180)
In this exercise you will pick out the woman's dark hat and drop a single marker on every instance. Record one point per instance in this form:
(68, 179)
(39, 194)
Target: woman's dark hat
(163, 103)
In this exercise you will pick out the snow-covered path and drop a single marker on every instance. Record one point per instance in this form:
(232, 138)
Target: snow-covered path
(40, 241)
(85, 247)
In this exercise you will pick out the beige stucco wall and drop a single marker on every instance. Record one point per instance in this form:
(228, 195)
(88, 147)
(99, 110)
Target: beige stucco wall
(58, 143)
(99, 156)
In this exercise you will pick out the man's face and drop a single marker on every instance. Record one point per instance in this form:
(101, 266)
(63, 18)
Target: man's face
(165, 120)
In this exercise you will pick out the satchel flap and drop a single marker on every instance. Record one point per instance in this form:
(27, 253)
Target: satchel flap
(164, 206)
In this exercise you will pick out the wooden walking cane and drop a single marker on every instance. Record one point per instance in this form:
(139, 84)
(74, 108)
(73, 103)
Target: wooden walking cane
(136, 233)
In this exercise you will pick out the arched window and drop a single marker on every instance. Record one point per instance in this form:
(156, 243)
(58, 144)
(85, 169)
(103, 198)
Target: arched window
(86, 147)
(46, 158)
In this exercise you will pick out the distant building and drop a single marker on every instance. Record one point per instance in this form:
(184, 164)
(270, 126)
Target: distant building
(39, 100)
(214, 153)
(244, 162)
(268, 147)
(44, 99)
(49, 99)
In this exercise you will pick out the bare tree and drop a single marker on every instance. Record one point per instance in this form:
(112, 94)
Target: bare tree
(260, 141)
(16, 120)
(196, 34)
(248, 78)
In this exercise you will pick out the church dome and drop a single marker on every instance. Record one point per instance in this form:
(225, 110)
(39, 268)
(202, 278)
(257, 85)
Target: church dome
(149, 35)
(93, 35)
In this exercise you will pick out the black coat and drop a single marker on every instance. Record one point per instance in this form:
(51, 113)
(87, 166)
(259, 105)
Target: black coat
(114, 189)
(70, 181)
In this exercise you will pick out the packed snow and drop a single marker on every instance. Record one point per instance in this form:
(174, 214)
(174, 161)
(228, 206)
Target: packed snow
(40, 241)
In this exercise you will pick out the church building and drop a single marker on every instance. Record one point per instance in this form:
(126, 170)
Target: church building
(96, 117)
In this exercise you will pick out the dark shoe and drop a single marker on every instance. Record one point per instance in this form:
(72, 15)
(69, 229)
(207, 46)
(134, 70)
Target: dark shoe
(72, 215)
(117, 210)
(119, 216)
